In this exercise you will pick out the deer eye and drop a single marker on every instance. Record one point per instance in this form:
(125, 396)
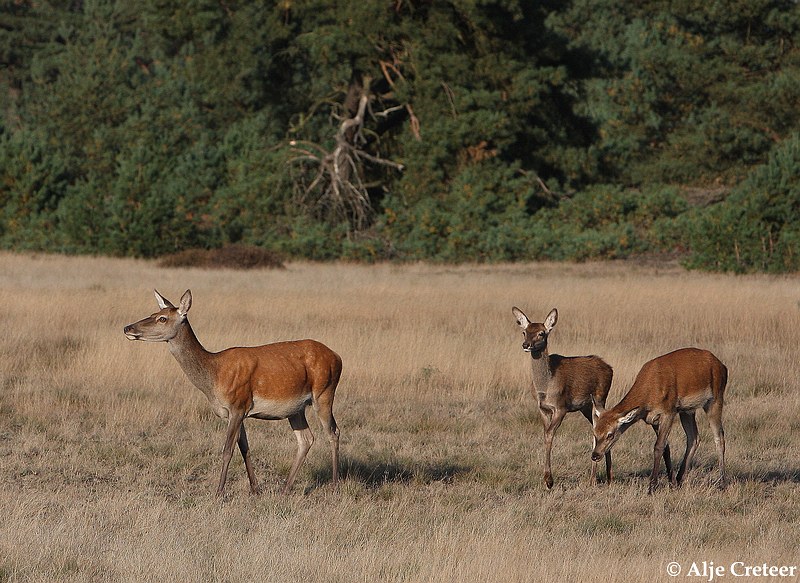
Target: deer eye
(162, 319)
(610, 435)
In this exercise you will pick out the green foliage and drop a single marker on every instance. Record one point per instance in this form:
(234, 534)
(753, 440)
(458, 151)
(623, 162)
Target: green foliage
(688, 92)
(607, 222)
(32, 181)
(145, 129)
(757, 228)
(482, 217)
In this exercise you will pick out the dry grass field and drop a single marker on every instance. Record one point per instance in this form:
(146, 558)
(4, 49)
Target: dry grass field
(109, 457)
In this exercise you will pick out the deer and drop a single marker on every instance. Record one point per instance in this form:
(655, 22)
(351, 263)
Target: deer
(562, 384)
(673, 385)
(271, 382)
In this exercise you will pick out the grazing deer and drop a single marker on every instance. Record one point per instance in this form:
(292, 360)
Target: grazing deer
(677, 383)
(562, 384)
(274, 381)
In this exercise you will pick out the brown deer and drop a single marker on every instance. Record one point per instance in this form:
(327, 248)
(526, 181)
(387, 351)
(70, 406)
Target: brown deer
(675, 384)
(274, 381)
(562, 384)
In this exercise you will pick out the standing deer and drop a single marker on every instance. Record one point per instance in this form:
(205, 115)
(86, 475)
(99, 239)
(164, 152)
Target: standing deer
(677, 383)
(562, 384)
(274, 381)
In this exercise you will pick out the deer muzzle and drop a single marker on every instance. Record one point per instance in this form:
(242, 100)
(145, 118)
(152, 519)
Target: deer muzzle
(130, 333)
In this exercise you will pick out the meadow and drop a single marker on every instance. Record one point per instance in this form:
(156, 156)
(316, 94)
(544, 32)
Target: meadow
(109, 456)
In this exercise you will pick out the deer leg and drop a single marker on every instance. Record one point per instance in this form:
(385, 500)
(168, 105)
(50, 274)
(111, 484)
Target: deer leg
(234, 424)
(244, 448)
(324, 410)
(547, 416)
(593, 477)
(305, 439)
(692, 441)
(667, 458)
(661, 449)
(549, 434)
(714, 413)
(593, 472)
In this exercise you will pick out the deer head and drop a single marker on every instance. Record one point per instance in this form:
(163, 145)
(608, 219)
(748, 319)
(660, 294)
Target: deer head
(164, 325)
(609, 427)
(535, 334)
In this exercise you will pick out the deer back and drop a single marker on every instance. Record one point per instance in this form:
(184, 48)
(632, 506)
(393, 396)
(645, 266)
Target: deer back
(579, 378)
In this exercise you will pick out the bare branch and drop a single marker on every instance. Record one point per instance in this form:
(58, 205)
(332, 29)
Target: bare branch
(389, 111)
(414, 123)
(339, 181)
(382, 161)
(543, 185)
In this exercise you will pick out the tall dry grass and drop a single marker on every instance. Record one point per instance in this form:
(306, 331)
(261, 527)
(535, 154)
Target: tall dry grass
(108, 456)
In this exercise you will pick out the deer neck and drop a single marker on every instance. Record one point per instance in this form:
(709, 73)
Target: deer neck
(193, 358)
(540, 367)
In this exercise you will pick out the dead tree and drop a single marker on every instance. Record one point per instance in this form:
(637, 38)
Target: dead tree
(338, 184)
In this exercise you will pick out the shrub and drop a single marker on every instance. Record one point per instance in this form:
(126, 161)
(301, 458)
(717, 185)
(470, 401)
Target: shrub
(606, 222)
(757, 228)
(228, 257)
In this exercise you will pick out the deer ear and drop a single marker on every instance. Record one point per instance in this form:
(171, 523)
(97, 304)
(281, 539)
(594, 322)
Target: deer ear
(550, 321)
(522, 319)
(162, 301)
(629, 417)
(186, 303)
